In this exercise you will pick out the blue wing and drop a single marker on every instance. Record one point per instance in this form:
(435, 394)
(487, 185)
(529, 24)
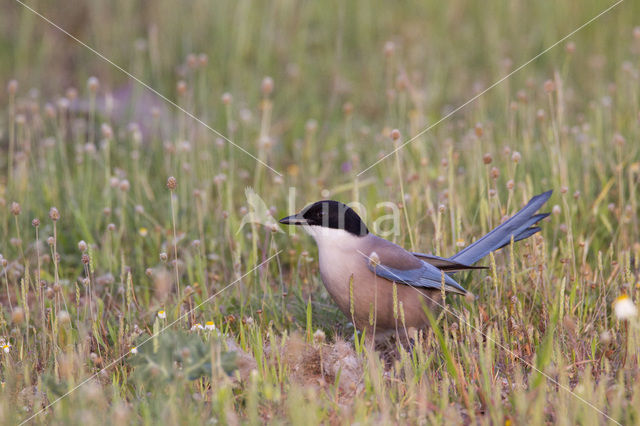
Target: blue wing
(426, 276)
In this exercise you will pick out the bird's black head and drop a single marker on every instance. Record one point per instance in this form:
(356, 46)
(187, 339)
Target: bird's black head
(329, 214)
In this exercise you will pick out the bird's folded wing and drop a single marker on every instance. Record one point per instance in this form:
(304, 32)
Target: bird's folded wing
(424, 276)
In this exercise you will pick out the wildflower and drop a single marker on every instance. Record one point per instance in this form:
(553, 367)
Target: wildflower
(459, 242)
(209, 326)
(143, 232)
(82, 246)
(93, 84)
(134, 350)
(6, 348)
(181, 87)
(389, 47)
(172, 183)
(162, 314)
(54, 214)
(197, 326)
(15, 209)
(12, 87)
(624, 307)
(267, 86)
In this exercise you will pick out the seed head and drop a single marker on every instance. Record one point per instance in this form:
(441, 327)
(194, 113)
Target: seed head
(495, 173)
(51, 241)
(82, 246)
(35, 222)
(54, 214)
(93, 84)
(487, 159)
(172, 183)
(624, 307)
(510, 184)
(17, 316)
(267, 86)
(85, 259)
(549, 86)
(107, 131)
(164, 256)
(605, 338)
(124, 185)
(192, 60)
(395, 134)
(111, 227)
(618, 139)
(181, 87)
(64, 318)
(12, 87)
(72, 94)
(227, 98)
(374, 259)
(479, 130)
(389, 48)
(15, 209)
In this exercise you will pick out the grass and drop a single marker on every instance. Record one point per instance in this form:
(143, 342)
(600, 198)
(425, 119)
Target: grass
(314, 90)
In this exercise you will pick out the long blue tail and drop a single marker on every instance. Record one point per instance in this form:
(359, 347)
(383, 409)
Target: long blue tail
(520, 226)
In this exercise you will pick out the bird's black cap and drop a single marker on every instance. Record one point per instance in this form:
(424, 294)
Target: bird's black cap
(329, 214)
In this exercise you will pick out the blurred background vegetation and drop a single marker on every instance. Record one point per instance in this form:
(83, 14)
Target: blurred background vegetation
(313, 89)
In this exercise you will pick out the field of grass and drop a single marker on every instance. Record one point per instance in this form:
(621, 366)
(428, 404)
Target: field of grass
(123, 213)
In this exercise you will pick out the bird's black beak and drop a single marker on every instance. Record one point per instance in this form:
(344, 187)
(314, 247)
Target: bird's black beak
(296, 219)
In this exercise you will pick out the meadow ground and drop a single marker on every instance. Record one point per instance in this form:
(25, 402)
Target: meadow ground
(124, 217)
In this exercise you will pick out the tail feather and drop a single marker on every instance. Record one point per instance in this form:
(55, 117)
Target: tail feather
(520, 226)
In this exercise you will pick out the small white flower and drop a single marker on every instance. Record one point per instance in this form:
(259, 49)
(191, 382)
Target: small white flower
(134, 350)
(6, 348)
(162, 314)
(209, 326)
(624, 308)
(197, 326)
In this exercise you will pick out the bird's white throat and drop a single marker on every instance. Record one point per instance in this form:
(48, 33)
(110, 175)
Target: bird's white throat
(332, 237)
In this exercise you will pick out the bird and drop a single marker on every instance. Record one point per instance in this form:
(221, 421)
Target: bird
(371, 278)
